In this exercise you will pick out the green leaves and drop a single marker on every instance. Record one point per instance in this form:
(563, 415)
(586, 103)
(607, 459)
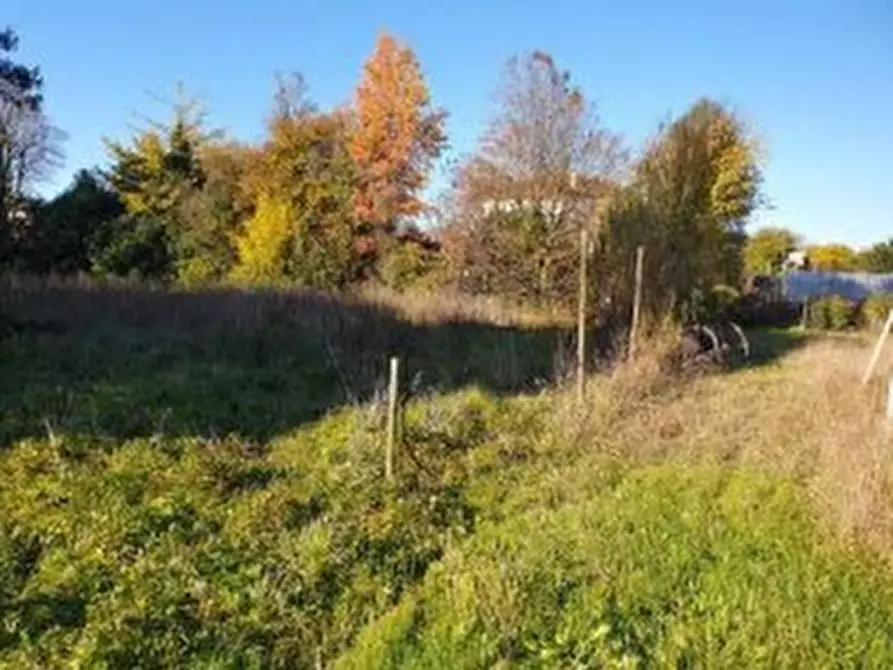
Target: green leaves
(767, 249)
(878, 258)
(693, 191)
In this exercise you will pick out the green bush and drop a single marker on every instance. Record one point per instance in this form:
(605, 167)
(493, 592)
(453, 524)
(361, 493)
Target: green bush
(407, 266)
(875, 310)
(831, 313)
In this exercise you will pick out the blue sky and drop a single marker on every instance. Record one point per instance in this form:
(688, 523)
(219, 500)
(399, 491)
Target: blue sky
(814, 78)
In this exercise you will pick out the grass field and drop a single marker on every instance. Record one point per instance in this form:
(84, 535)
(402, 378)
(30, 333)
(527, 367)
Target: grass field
(197, 481)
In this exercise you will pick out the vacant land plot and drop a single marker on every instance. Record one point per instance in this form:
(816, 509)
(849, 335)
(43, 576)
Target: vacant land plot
(171, 497)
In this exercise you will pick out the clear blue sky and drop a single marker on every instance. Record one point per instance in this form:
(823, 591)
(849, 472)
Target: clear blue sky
(814, 76)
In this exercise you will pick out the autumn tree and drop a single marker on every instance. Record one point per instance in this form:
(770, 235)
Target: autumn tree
(691, 196)
(833, 258)
(397, 136)
(182, 186)
(153, 174)
(766, 250)
(262, 246)
(303, 184)
(211, 214)
(160, 163)
(541, 168)
(29, 144)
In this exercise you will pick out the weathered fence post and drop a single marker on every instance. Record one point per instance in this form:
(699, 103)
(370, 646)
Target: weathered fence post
(392, 418)
(890, 400)
(878, 348)
(637, 301)
(581, 317)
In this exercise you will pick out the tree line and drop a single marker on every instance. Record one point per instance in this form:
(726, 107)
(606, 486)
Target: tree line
(335, 198)
(767, 249)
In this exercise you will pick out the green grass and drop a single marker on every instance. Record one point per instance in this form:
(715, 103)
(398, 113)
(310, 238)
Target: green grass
(706, 567)
(117, 381)
(182, 554)
(131, 537)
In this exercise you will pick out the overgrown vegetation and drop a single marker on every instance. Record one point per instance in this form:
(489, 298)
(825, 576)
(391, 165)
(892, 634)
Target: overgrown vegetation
(333, 199)
(169, 501)
(832, 313)
(875, 310)
(191, 421)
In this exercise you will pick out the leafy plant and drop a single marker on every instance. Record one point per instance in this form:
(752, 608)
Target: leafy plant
(875, 309)
(832, 313)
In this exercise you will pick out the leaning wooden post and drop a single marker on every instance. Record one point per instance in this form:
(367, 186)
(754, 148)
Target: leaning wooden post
(637, 301)
(878, 348)
(581, 317)
(392, 419)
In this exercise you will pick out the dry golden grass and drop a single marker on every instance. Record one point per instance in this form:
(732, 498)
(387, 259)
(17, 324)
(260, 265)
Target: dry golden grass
(86, 300)
(805, 415)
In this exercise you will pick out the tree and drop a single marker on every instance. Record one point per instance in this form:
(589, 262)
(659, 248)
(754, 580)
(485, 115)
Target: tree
(303, 185)
(160, 164)
(766, 250)
(878, 258)
(540, 170)
(691, 196)
(832, 258)
(72, 226)
(135, 245)
(211, 215)
(29, 144)
(263, 245)
(397, 136)
(154, 175)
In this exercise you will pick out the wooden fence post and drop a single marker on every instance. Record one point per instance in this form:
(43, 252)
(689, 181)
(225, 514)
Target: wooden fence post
(637, 301)
(581, 317)
(392, 418)
(878, 348)
(890, 400)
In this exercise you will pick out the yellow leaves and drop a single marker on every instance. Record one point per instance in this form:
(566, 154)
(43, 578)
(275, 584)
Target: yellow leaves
(766, 250)
(734, 167)
(302, 181)
(833, 258)
(262, 244)
(151, 174)
(734, 186)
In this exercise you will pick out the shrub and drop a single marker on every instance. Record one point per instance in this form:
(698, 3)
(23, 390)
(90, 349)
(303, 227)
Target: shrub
(407, 266)
(875, 310)
(831, 313)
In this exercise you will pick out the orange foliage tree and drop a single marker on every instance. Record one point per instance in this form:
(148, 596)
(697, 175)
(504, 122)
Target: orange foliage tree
(398, 135)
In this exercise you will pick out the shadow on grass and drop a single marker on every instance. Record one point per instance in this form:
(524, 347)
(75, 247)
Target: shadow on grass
(125, 362)
(768, 345)
(113, 363)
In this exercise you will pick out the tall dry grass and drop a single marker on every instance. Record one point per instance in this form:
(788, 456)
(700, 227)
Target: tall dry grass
(86, 301)
(338, 343)
(806, 416)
